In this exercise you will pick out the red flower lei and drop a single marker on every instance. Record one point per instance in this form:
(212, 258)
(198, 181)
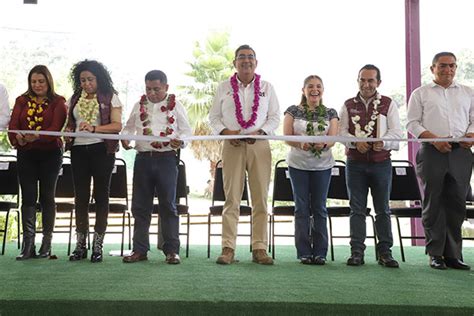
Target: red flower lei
(171, 103)
(238, 105)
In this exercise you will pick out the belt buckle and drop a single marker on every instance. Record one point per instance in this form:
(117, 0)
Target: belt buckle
(454, 145)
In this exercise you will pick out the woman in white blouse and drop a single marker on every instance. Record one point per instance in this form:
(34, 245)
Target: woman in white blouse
(94, 108)
(310, 167)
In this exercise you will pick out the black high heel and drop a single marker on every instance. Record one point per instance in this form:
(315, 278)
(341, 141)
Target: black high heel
(45, 249)
(28, 251)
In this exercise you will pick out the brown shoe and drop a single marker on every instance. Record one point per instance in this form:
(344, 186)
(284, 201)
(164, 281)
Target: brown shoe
(173, 258)
(260, 256)
(227, 256)
(134, 257)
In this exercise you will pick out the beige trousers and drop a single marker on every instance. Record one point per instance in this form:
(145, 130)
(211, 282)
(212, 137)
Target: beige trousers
(256, 160)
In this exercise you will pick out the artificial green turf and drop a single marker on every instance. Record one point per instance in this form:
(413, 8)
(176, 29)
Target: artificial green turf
(199, 286)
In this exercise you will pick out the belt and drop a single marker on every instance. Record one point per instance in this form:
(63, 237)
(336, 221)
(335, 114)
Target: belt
(157, 153)
(454, 145)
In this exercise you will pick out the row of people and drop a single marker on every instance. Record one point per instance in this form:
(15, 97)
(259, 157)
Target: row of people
(247, 105)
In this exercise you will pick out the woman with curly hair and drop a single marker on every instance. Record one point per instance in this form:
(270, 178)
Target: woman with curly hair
(39, 156)
(94, 108)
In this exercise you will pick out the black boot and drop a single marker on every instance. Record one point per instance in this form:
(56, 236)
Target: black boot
(97, 246)
(28, 221)
(48, 216)
(28, 249)
(45, 249)
(80, 252)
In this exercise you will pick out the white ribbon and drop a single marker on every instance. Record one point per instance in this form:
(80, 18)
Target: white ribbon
(292, 138)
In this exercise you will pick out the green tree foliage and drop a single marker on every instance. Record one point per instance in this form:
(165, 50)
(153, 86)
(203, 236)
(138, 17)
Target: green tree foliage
(212, 64)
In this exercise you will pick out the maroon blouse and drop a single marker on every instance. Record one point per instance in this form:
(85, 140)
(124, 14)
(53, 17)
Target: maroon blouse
(54, 117)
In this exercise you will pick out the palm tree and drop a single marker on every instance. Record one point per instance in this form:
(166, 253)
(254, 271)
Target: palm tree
(212, 64)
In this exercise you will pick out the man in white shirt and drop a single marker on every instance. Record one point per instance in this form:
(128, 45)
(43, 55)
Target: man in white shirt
(155, 171)
(368, 163)
(245, 105)
(443, 109)
(4, 108)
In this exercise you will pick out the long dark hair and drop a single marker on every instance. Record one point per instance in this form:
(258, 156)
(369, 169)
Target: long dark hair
(104, 81)
(43, 70)
(306, 80)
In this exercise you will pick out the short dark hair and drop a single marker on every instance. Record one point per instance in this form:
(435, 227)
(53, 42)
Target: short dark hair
(104, 81)
(156, 75)
(245, 46)
(442, 54)
(43, 70)
(372, 67)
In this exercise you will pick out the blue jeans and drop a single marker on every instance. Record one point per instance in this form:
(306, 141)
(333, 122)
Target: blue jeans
(310, 191)
(155, 174)
(377, 176)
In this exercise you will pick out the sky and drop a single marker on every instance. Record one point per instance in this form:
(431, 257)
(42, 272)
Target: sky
(292, 39)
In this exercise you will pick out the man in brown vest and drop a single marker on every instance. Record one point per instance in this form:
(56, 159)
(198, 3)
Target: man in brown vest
(369, 164)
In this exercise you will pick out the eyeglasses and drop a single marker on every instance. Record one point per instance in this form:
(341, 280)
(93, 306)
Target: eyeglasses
(444, 66)
(243, 56)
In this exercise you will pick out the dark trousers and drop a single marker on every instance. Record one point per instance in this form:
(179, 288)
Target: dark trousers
(152, 174)
(39, 166)
(446, 180)
(91, 161)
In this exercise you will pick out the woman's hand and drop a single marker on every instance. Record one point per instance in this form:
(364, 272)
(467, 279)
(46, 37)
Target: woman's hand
(20, 139)
(29, 138)
(319, 146)
(306, 146)
(86, 127)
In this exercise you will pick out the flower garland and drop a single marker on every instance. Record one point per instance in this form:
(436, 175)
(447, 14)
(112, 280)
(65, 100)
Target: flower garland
(369, 127)
(88, 108)
(321, 120)
(144, 117)
(238, 106)
(35, 112)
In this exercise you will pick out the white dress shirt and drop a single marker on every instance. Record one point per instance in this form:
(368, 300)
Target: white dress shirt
(446, 112)
(159, 122)
(394, 129)
(222, 114)
(4, 108)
